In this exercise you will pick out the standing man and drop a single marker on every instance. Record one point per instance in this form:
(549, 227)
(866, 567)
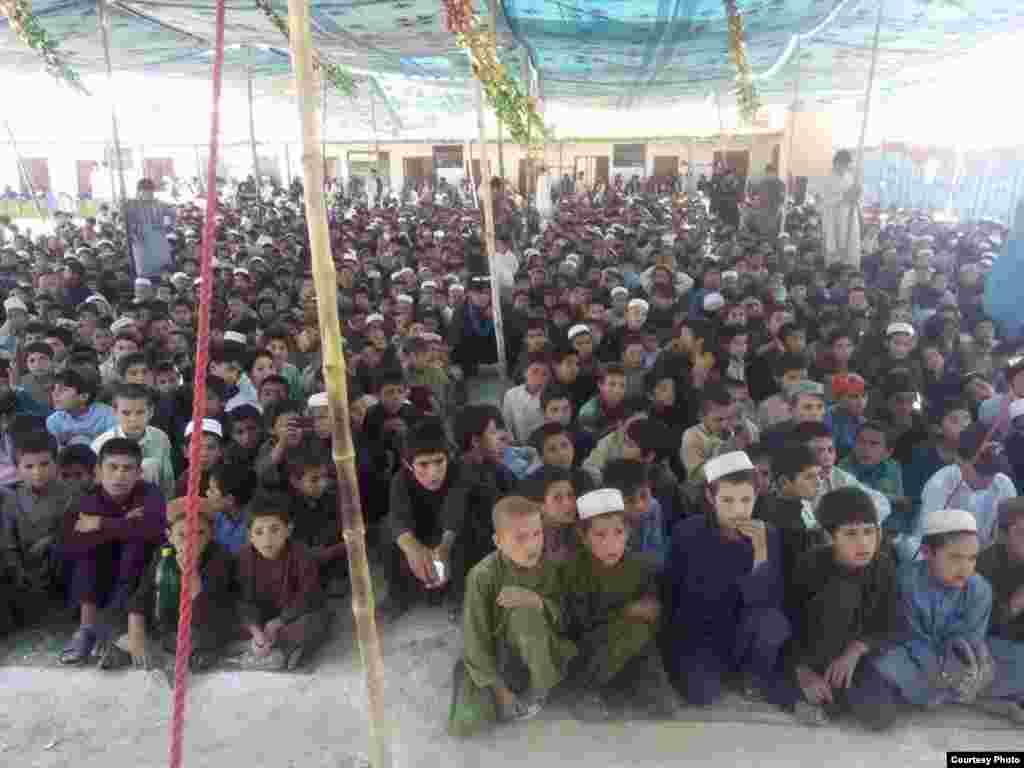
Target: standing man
(149, 220)
(839, 194)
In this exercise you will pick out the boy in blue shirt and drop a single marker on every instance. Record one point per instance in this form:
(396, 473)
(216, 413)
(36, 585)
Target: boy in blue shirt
(76, 417)
(232, 485)
(641, 510)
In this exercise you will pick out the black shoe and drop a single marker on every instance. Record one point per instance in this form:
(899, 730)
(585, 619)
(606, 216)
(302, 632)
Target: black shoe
(115, 658)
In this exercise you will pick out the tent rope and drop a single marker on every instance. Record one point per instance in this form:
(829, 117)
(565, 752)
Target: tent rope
(184, 647)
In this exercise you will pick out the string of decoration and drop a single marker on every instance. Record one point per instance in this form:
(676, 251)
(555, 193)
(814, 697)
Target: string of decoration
(334, 74)
(28, 29)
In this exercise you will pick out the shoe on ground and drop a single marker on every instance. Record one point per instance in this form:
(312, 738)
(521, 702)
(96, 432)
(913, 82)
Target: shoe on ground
(591, 707)
(522, 708)
(810, 714)
(79, 648)
(114, 657)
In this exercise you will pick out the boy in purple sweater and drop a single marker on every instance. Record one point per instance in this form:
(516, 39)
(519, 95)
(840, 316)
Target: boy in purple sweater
(107, 540)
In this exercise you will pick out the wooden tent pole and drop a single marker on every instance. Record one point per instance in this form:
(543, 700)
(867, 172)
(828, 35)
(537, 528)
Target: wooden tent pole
(104, 19)
(23, 170)
(790, 176)
(487, 220)
(859, 171)
(252, 128)
(335, 379)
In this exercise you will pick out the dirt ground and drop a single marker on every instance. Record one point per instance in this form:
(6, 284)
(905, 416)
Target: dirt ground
(52, 717)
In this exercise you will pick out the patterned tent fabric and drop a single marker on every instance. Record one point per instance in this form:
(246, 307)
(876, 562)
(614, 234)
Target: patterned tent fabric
(605, 53)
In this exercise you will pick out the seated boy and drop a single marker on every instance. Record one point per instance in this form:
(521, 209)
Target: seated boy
(156, 601)
(557, 406)
(789, 370)
(1003, 565)
(611, 446)
(227, 362)
(281, 603)
(31, 515)
(850, 403)
(246, 427)
(791, 509)
(553, 443)
(76, 418)
(603, 412)
(872, 464)
(314, 510)
(650, 442)
(388, 420)
(417, 497)
(553, 491)
(38, 381)
(107, 540)
(706, 440)
(612, 612)
(845, 607)
(287, 429)
(944, 656)
(133, 407)
(521, 408)
(723, 592)
(512, 617)
(232, 486)
(211, 452)
(642, 511)
(77, 464)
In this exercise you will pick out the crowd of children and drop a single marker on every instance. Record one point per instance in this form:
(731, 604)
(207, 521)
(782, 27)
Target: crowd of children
(718, 465)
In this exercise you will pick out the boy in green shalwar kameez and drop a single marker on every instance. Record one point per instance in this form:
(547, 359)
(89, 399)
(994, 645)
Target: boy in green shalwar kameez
(612, 611)
(512, 622)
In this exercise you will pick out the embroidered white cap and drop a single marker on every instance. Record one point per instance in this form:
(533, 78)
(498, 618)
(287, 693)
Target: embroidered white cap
(235, 336)
(120, 324)
(949, 521)
(619, 289)
(210, 427)
(376, 317)
(727, 464)
(641, 303)
(906, 328)
(600, 502)
(319, 400)
(143, 282)
(1016, 409)
(580, 328)
(15, 303)
(713, 301)
(405, 298)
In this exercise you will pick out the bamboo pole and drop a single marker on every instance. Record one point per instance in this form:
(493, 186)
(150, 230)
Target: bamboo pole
(859, 171)
(790, 176)
(288, 164)
(25, 175)
(323, 132)
(252, 132)
(487, 220)
(335, 378)
(104, 19)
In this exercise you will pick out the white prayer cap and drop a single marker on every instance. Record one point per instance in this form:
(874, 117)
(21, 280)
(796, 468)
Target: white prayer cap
(713, 301)
(619, 289)
(241, 271)
(235, 336)
(730, 274)
(428, 284)
(15, 303)
(435, 338)
(600, 502)
(531, 252)
(143, 282)
(580, 328)
(174, 278)
(670, 238)
(349, 256)
(573, 257)
(1016, 409)
(949, 521)
(789, 248)
(641, 303)
(403, 272)
(319, 400)
(405, 298)
(264, 240)
(727, 464)
(459, 287)
(906, 328)
(120, 324)
(438, 234)
(376, 317)
(210, 426)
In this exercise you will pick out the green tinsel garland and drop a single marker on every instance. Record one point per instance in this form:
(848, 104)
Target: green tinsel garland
(336, 75)
(31, 33)
(746, 95)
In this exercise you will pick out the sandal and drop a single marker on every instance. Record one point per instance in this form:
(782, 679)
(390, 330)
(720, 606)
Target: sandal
(79, 648)
(295, 657)
(810, 714)
(113, 657)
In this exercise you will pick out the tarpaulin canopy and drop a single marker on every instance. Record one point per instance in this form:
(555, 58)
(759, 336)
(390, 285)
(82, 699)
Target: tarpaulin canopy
(605, 53)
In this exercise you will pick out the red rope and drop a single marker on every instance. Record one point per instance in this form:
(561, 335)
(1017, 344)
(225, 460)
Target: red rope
(184, 649)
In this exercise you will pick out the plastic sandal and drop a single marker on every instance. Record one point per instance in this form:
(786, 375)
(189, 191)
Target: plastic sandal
(79, 648)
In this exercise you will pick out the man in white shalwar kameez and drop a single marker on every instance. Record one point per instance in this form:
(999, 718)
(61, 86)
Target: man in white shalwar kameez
(840, 193)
